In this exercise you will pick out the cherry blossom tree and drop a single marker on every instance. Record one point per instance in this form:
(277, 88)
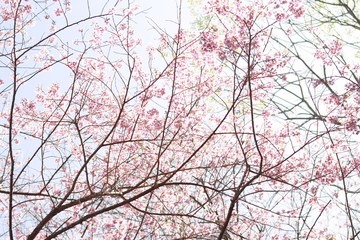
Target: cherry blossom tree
(242, 127)
(324, 84)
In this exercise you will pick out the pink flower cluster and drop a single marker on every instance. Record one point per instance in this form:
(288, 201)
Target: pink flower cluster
(208, 41)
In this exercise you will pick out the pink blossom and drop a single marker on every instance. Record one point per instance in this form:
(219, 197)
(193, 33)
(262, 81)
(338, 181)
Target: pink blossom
(58, 12)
